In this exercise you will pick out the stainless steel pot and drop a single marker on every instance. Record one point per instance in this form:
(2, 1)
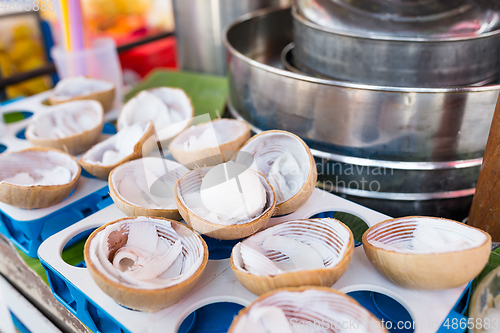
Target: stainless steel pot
(428, 61)
(429, 141)
(199, 25)
(404, 18)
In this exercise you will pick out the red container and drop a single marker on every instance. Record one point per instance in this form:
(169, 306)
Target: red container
(144, 58)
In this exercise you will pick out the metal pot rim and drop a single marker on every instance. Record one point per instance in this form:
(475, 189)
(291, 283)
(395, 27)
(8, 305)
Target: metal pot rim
(299, 17)
(397, 165)
(331, 82)
(417, 166)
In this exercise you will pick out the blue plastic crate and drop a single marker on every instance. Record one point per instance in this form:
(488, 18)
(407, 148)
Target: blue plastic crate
(89, 313)
(28, 232)
(202, 319)
(69, 284)
(28, 235)
(99, 321)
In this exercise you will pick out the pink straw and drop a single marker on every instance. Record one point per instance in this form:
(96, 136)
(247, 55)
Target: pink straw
(76, 25)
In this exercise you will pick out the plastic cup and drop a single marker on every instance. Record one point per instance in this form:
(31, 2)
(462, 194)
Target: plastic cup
(99, 61)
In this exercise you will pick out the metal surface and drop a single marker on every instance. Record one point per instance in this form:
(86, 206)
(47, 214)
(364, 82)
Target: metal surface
(389, 186)
(429, 141)
(199, 25)
(400, 62)
(400, 165)
(288, 61)
(404, 18)
(375, 122)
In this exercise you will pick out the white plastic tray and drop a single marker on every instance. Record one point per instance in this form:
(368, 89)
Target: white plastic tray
(218, 283)
(85, 185)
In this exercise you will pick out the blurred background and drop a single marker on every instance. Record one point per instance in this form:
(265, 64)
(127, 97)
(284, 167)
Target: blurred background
(27, 37)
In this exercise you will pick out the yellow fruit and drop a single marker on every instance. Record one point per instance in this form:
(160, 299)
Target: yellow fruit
(6, 65)
(21, 50)
(30, 64)
(15, 91)
(21, 31)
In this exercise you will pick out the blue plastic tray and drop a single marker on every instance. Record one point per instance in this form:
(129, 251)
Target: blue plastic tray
(24, 229)
(90, 314)
(28, 235)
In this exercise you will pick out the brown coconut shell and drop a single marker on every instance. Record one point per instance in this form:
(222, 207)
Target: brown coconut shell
(134, 210)
(74, 144)
(435, 271)
(300, 198)
(37, 196)
(106, 98)
(102, 171)
(210, 156)
(146, 300)
(300, 289)
(219, 231)
(316, 277)
(188, 123)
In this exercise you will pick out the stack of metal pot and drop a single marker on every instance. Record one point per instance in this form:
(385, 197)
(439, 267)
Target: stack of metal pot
(394, 97)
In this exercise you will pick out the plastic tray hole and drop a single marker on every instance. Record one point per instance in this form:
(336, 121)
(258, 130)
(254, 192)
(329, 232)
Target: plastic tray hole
(72, 192)
(73, 250)
(18, 324)
(463, 303)
(16, 234)
(82, 264)
(15, 116)
(123, 306)
(109, 129)
(188, 323)
(357, 225)
(394, 315)
(61, 290)
(203, 320)
(2, 148)
(102, 320)
(21, 134)
(58, 222)
(87, 211)
(106, 200)
(86, 174)
(24, 240)
(220, 249)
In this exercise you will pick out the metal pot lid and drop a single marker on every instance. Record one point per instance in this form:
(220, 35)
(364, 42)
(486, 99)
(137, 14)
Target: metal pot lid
(427, 19)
